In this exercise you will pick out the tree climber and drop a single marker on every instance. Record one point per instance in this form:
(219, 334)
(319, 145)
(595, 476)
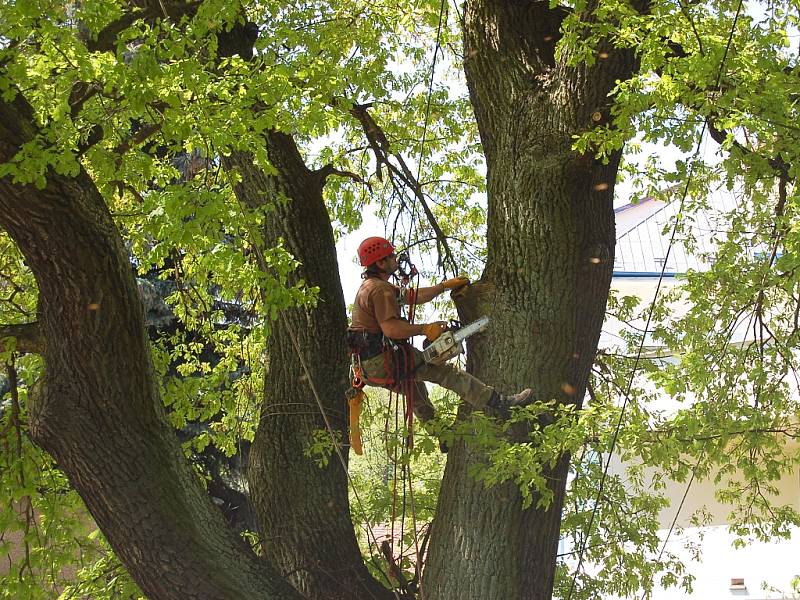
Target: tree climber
(378, 337)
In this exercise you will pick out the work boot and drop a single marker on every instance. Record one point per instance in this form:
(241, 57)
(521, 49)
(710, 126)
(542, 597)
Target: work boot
(501, 405)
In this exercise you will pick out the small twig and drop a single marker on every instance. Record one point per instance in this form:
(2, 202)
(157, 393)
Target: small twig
(122, 186)
(685, 11)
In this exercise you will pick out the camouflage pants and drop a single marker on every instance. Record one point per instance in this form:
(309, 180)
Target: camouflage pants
(469, 388)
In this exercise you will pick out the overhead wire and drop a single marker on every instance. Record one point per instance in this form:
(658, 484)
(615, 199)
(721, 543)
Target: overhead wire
(626, 399)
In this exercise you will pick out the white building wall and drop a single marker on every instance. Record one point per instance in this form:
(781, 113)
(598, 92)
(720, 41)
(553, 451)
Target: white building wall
(758, 565)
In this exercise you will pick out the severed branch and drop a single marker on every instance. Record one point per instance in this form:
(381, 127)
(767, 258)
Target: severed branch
(395, 571)
(329, 170)
(28, 338)
(382, 150)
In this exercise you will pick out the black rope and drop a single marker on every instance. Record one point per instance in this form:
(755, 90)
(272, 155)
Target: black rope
(680, 508)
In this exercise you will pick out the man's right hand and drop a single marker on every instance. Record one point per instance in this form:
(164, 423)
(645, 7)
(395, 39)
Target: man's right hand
(432, 331)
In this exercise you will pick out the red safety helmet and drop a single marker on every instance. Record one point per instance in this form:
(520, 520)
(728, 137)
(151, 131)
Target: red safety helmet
(372, 249)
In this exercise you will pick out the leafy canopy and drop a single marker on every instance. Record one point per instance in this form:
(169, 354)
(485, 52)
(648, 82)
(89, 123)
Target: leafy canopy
(151, 112)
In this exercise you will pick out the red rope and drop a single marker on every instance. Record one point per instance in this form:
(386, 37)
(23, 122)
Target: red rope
(403, 365)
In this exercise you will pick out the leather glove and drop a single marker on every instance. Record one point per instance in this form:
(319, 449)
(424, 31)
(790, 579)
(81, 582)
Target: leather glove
(433, 330)
(355, 397)
(455, 282)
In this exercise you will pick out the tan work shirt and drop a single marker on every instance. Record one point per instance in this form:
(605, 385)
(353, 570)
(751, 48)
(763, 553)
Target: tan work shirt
(376, 302)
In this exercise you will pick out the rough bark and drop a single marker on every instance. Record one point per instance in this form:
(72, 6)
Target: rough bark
(97, 409)
(550, 259)
(304, 509)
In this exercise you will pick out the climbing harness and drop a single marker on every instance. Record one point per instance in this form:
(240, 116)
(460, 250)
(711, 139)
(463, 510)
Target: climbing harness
(398, 363)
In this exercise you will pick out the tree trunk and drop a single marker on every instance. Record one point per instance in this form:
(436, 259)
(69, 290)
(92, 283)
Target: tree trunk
(304, 509)
(97, 409)
(550, 244)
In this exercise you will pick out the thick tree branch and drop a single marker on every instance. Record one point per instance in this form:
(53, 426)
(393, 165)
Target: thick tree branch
(523, 33)
(146, 10)
(311, 534)
(28, 340)
(97, 411)
(16, 126)
(329, 170)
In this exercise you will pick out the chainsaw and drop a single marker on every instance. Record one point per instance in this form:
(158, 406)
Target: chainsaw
(451, 343)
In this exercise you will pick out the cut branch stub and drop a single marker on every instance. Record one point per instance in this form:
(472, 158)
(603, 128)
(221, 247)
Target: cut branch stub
(26, 336)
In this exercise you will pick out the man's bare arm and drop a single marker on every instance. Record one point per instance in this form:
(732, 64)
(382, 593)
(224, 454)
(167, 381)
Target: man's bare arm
(397, 329)
(427, 294)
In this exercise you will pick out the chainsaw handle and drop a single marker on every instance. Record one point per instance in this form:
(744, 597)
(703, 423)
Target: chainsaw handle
(452, 325)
